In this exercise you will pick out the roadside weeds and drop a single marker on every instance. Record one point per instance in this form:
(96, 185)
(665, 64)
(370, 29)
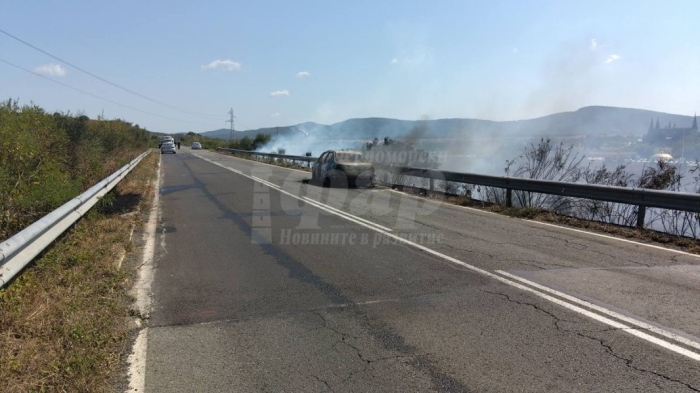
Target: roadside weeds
(63, 321)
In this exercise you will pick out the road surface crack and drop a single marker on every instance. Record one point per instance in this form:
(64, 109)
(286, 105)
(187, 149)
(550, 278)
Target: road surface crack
(536, 307)
(437, 227)
(538, 264)
(608, 348)
(329, 327)
(366, 362)
(495, 242)
(328, 386)
(628, 361)
(343, 340)
(638, 263)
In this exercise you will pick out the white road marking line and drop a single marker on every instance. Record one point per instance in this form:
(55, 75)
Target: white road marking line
(346, 213)
(137, 363)
(265, 182)
(624, 328)
(614, 238)
(319, 205)
(603, 310)
(142, 293)
(532, 221)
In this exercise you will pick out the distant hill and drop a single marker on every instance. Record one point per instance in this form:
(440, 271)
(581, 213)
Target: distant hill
(591, 120)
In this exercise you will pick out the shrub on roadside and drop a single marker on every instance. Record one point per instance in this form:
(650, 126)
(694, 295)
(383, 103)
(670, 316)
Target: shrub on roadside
(47, 159)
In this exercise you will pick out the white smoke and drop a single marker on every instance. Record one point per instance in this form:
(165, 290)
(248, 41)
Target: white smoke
(306, 138)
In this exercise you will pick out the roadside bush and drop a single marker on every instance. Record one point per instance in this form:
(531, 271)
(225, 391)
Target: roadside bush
(610, 212)
(545, 161)
(248, 144)
(45, 159)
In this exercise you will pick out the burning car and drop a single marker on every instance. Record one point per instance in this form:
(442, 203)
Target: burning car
(340, 168)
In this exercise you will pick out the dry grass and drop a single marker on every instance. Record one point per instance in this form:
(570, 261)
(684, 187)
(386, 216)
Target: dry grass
(63, 320)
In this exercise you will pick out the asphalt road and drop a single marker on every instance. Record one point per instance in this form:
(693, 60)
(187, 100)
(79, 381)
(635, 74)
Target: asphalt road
(258, 289)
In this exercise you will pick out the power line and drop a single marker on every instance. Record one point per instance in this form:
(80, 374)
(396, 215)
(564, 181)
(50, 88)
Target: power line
(173, 107)
(243, 125)
(96, 96)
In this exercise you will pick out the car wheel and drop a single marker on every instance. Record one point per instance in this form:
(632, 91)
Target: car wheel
(362, 182)
(339, 181)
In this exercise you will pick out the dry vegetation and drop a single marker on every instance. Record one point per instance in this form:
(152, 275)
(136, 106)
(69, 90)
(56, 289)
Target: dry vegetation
(63, 321)
(47, 159)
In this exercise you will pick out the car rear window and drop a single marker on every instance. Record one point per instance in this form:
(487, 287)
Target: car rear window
(350, 157)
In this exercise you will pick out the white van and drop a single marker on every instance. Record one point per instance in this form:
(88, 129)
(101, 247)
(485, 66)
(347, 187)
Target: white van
(165, 139)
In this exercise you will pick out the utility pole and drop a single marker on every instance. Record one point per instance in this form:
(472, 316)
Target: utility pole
(231, 121)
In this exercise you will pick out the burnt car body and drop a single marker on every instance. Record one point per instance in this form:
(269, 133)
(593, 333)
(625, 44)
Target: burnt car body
(342, 168)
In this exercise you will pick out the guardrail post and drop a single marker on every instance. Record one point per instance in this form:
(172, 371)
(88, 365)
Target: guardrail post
(432, 184)
(641, 213)
(509, 197)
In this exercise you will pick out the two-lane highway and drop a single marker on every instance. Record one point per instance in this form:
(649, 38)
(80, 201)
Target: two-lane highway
(266, 283)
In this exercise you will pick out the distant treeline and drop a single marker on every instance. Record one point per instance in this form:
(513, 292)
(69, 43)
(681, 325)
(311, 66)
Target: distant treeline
(47, 159)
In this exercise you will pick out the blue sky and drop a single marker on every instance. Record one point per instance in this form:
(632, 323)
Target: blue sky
(288, 62)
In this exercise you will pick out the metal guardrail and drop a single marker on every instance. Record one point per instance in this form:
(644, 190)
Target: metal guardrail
(271, 155)
(19, 250)
(640, 197)
(643, 198)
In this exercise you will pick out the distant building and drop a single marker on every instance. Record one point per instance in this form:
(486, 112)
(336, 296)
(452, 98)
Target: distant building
(657, 134)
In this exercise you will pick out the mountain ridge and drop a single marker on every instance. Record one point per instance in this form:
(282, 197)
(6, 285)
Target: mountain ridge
(588, 120)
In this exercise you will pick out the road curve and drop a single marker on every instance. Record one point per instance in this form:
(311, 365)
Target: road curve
(264, 282)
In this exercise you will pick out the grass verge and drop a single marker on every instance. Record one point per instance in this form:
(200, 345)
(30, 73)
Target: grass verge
(63, 321)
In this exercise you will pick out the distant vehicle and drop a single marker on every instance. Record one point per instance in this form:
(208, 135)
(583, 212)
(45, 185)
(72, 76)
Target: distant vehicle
(340, 168)
(167, 147)
(196, 145)
(165, 139)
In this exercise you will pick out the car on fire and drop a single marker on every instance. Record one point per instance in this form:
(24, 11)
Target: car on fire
(340, 168)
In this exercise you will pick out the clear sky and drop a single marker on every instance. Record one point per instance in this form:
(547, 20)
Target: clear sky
(288, 62)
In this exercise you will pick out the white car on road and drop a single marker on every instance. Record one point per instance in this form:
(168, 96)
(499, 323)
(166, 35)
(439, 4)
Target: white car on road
(167, 147)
